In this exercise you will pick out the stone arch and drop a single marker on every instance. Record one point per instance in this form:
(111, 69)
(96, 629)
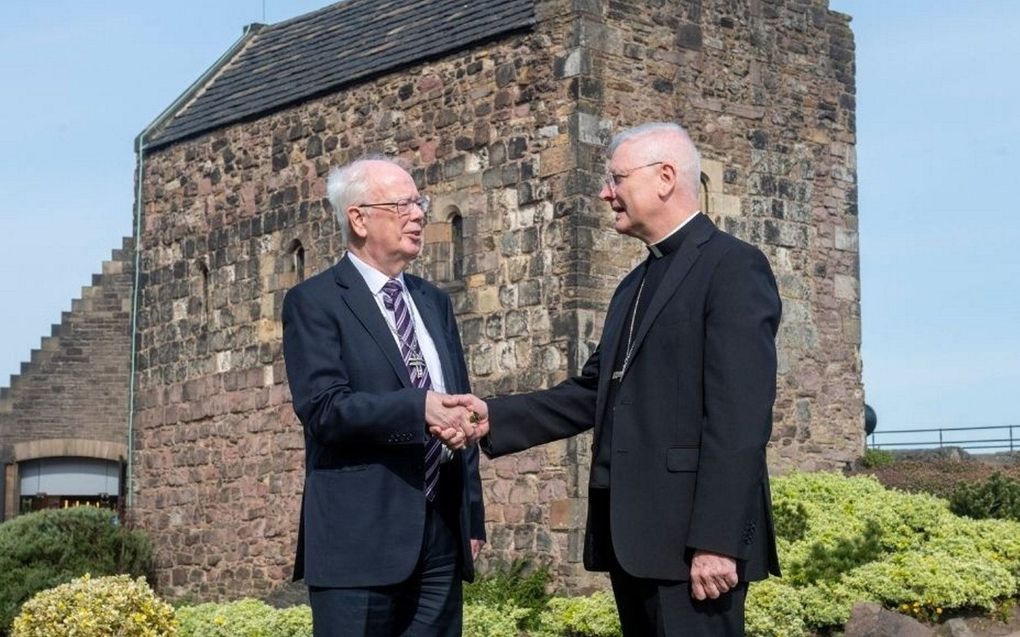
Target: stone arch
(25, 454)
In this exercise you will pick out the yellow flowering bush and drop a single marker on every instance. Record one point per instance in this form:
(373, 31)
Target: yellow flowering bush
(87, 607)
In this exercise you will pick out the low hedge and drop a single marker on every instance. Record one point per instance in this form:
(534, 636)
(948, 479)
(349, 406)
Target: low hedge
(841, 540)
(44, 549)
(247, 617)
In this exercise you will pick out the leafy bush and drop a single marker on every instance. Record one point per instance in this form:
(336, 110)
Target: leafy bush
(937, 476)
(248, 617)
(862, 542)
(484, 620)
(874, 458)
(997, 497)
(773, 609)
(86, 607)
(43, 549)
(592, 616)
(516, 586)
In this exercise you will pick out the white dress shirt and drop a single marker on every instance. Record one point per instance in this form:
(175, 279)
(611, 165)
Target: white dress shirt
(375, 281)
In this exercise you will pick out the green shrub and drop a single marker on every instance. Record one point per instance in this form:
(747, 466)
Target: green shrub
(773, 609)
(592, 616)
(519, 585)
(997, 497)
(876, 458)
(862, 542)
(86, 607)
(483, 620)
(44, 549)
(790, 519)
(244, 617)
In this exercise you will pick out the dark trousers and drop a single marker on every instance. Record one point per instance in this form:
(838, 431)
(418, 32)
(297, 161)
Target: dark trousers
(663, 608)
(427, 604)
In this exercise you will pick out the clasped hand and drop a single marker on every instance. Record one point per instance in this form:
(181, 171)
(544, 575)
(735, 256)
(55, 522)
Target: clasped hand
(457, 420)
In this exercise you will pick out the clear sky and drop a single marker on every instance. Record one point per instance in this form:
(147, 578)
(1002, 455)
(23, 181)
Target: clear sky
(938, 116)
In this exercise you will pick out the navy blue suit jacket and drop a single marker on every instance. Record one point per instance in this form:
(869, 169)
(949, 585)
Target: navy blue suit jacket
(363, 509)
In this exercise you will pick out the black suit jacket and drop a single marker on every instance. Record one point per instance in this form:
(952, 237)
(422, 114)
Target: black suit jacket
(363, 508)
(691, 418)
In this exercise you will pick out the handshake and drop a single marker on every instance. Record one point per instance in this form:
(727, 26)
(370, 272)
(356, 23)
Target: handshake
(457, 420)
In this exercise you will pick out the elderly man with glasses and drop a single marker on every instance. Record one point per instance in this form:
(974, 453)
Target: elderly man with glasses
(392, 515)
(679, 393)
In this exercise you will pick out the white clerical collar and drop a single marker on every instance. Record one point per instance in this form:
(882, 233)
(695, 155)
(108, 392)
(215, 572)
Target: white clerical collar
(373, 277)
(654, 247)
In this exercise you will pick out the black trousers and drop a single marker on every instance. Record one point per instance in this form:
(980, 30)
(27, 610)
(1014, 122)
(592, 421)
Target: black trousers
(663, 608)
(427, 604)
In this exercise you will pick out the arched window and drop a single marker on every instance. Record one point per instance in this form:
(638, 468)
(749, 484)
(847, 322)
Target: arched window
(296, 262)
(203, 271)
(457, 247)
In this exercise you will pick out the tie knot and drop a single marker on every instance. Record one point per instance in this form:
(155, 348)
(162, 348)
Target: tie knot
(391, 290)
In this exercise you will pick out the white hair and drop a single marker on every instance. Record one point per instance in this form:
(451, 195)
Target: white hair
(666, 141)
(347, 186)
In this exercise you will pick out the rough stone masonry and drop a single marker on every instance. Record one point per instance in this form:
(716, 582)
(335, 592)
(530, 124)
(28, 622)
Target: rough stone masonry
(508, 136)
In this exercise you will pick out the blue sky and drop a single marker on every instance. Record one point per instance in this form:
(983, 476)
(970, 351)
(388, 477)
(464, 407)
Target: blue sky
(938, 113)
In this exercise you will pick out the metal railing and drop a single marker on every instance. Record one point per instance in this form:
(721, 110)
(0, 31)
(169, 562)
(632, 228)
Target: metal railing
(1008, 440)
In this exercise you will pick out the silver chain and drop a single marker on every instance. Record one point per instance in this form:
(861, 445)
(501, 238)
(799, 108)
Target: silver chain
(630, 333)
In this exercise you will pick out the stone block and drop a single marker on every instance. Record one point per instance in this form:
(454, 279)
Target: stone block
(846, 287)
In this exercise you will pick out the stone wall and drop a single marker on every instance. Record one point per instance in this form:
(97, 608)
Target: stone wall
(508, 139)
(75, 385)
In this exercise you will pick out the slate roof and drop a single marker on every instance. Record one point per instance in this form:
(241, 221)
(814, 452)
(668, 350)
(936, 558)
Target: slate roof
(322, 51)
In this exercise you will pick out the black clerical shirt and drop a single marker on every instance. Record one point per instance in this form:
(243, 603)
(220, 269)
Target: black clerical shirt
(660, 255)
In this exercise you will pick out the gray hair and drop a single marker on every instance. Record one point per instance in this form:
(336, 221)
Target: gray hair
(346, 186)
(666, 141)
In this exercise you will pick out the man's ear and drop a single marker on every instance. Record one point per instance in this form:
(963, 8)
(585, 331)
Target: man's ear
(357, 217)
(667, 180)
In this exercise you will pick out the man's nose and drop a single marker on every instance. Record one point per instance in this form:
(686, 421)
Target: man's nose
(606, 194)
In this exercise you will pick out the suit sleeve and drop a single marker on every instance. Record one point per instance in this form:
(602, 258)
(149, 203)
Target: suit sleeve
(473, 480)
(527, 420)
(333, 413)
(742, 316)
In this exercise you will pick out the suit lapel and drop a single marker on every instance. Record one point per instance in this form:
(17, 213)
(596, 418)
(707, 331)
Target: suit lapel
(426, 304)
(362, 304)
(701, 229)
(612, 333)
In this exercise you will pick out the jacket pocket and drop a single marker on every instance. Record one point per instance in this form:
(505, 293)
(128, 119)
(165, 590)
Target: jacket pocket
(682, 458)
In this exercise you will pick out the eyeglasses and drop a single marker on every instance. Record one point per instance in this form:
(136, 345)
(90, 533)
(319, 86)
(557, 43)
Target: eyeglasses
(403, 207)
(612, 180)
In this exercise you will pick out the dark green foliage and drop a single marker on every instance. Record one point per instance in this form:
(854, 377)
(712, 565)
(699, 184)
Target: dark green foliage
(875, 458)
(790, 519)
(520, 583)
(44, 549)
(826, 562)
(996, 497)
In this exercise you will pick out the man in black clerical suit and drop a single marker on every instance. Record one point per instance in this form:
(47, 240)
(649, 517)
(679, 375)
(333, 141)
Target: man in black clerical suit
(391, 518)
(679, 392)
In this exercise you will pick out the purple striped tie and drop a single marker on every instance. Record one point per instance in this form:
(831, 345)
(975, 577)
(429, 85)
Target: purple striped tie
(415, 363)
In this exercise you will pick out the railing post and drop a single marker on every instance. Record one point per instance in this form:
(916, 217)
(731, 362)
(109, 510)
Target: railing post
(940, 438)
